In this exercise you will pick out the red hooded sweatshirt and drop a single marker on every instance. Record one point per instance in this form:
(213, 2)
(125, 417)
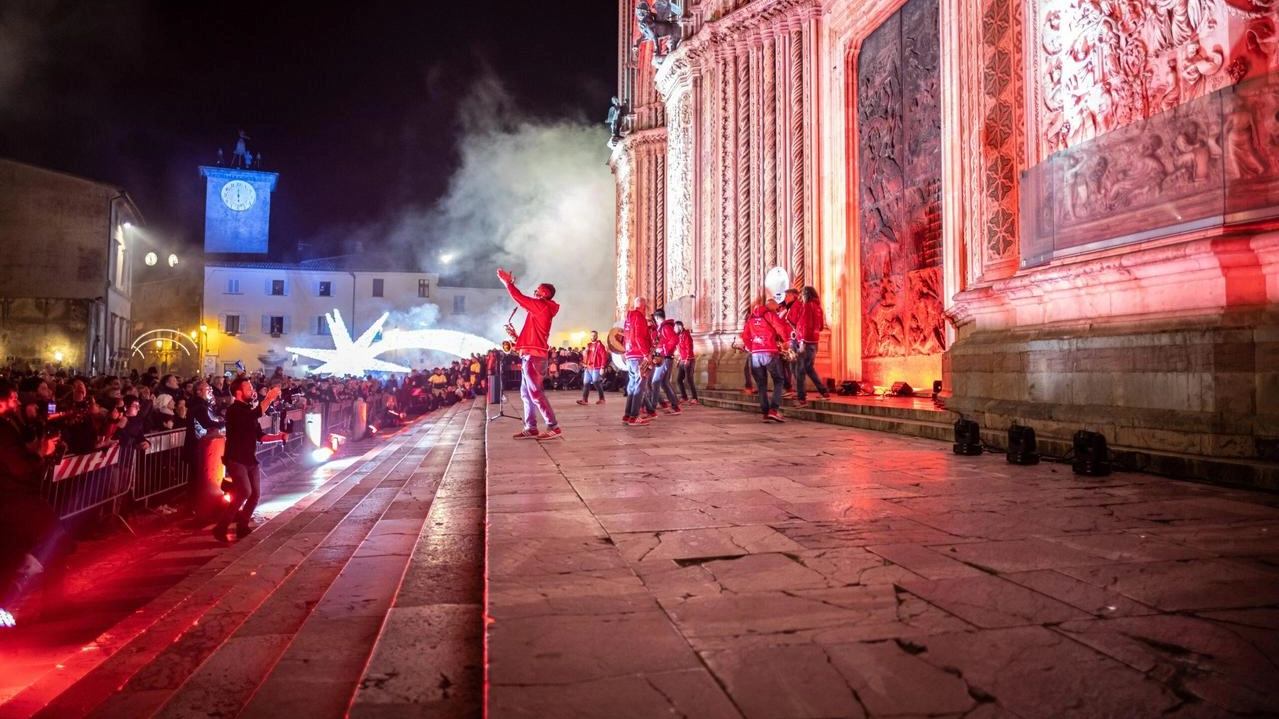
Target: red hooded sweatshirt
(666, 338)
(763, 330)
(638, 341)
(535, 335)
(596, 356)
(811, 321)
(685, 346)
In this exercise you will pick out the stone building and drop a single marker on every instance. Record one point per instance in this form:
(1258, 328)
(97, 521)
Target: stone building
(66, 279)
(1065, 210)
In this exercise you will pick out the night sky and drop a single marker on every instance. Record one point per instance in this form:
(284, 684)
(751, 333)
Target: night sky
(354, 104)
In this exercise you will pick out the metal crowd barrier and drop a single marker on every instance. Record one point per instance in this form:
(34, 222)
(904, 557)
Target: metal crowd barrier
(82, 482)
(161, 467)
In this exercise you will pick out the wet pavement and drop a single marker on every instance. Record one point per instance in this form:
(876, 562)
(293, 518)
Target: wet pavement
(711, 565)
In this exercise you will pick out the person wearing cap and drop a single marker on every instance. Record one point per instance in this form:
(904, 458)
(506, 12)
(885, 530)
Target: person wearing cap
(162, 412)
(533, 344)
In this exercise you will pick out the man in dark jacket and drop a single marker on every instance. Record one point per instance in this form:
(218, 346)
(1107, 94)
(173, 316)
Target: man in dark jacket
(29, 535)
(240, 456)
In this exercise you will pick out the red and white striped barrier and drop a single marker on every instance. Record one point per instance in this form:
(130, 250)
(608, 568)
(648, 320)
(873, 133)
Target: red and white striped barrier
(84, 463)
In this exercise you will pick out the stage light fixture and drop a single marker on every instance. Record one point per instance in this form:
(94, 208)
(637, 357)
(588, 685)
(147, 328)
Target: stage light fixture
(936, 387)
(1021, 445)
(1092, 456)
(902, 389)
(967, 437)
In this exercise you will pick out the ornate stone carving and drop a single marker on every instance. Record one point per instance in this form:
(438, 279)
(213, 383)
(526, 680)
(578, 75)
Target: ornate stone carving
(680, 146)
(1102, 65)
(1001, 127)
(899, 118)
(743, 171)
(1214, 156)
(799, 143)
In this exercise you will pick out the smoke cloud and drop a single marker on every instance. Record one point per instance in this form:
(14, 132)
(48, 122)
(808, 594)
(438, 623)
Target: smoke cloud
(530, 195)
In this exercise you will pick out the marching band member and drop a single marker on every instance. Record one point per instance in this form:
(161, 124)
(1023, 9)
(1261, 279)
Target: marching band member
(666, 344)
(593, 367)
(763, 332)
(532, 344)
(687, 362)
(808, 327)
(639, 345)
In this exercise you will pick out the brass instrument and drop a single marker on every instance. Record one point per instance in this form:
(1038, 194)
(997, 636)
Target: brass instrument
(510, 328)
(648, 364)
(787, 351)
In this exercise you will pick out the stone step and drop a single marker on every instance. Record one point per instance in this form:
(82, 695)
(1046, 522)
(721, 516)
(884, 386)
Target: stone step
(169, 614)
(301, 550)
(428, 660)
(908, 416)
(321, 669)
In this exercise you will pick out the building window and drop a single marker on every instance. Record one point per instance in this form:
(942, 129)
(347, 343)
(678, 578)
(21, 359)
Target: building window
(277, 288)
(276, 326)
(233, 287)
(326, 289)
(231, 325)
(459, 304)
(377, 287)
(322, 326)
(423, 288)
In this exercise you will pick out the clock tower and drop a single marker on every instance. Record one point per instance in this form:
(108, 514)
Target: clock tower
(237, 209)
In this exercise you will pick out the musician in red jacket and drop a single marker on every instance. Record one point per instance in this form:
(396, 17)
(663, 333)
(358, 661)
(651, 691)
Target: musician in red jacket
(639, 345)
(533, 344)
(687, 363)
(666, 344)
(810, 321)
(593, 362)
(762, 334)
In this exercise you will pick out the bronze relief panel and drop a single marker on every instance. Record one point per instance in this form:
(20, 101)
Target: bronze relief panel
(899, 144)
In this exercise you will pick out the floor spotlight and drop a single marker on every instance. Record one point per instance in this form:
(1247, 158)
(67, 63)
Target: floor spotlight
(902, 389)
(967, 437)
(1021, 445)
(1092, 457)
(7, 620)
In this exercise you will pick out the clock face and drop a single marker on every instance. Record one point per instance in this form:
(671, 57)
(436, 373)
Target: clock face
(239, 195)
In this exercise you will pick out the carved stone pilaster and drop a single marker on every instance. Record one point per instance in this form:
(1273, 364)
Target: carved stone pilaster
(681, 148)
(744, 175)
(639, 164)
(625, 234)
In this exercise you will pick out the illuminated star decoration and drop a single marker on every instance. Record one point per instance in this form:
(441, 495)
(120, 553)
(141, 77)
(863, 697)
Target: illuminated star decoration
(350, 358)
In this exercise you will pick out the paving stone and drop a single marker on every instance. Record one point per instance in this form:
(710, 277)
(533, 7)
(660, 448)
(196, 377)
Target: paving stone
(1229, 667)
(829, 572)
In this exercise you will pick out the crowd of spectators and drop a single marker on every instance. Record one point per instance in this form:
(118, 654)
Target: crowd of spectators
(87, 414)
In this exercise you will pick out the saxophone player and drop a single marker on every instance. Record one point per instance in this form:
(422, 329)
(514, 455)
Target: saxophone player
(666, 343)
(763, 334)
(532, 343)
(639, 345)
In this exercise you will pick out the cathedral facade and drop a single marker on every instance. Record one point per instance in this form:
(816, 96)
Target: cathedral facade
(1065, 210)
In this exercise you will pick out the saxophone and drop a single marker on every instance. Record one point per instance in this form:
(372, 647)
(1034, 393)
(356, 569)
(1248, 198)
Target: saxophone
(510, 328)
(647, 364)
(787, 350)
